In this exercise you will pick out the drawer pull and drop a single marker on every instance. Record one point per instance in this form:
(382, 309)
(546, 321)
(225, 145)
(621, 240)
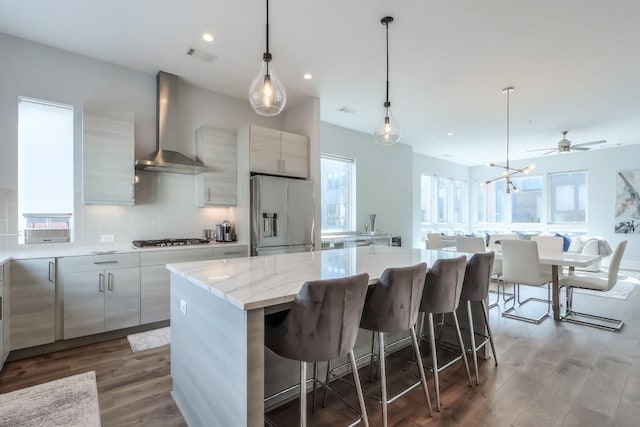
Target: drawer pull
(105, 262)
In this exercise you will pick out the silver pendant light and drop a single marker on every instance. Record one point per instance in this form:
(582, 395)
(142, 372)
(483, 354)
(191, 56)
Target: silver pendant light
(507, 170)
(388, 132)
(266, 93)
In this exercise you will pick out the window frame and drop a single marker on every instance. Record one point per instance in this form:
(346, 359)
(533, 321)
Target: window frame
(352, 227)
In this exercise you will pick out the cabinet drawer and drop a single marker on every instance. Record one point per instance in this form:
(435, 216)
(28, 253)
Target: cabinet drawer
(99, 262)
(230, 252)
(175, 256)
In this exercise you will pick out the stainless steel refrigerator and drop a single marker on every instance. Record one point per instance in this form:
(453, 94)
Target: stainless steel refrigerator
(281, 215)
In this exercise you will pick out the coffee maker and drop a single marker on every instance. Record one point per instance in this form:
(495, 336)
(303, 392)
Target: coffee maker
(223, 232)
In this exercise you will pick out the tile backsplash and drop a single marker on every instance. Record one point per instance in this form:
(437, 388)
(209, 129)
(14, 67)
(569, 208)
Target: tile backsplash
(165, 208)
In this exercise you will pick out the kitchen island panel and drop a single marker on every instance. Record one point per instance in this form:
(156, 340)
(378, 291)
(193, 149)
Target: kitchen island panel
(217, 357)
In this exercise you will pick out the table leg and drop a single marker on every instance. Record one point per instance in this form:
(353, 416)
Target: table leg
(555, 292)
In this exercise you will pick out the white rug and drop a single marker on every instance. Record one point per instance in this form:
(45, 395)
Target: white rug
(626, 284)
(149, 339)
(71, 401)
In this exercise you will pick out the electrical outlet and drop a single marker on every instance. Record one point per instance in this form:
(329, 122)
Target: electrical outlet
(107, 238)
(183, 307)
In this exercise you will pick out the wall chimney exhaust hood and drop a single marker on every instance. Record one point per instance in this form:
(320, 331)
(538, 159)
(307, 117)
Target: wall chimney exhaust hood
(164, 160)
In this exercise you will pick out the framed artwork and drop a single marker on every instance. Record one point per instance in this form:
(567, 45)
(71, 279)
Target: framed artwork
(628, 202)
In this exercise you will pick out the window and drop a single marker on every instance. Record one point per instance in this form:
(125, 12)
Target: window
(568, 197)
(338, 183)
(527, 202)
(45, 168)
(426, 198)
(492, 202)
(442, 200)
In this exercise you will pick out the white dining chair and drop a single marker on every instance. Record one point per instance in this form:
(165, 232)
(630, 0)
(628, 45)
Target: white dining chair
(521, 266)
(594, 283)
(551, 245)
(474, 245)
(495, 245)
(435, 241)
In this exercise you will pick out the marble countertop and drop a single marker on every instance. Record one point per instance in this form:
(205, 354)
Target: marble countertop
(40, 252)
(263, 281)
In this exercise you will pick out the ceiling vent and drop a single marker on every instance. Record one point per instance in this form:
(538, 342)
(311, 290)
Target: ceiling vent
(346, 110)
(201, 55)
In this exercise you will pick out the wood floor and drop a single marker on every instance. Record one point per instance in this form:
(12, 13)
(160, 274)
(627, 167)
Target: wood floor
(552, 374)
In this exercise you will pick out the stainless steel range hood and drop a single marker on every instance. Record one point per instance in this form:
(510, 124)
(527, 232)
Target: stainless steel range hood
(163, 159)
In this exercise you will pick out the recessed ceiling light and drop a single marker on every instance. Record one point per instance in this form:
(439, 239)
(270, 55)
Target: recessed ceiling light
(307, 76)
(450, 134)
(207, 37)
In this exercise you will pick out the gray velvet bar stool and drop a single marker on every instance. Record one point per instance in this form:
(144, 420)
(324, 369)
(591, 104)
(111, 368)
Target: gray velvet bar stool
(321, 325)
(441, 295)
(392, 306)
(475, 288)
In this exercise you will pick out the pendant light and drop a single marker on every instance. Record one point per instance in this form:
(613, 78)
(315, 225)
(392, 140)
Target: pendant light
(507, 170)
(388, 133)
(266, 94)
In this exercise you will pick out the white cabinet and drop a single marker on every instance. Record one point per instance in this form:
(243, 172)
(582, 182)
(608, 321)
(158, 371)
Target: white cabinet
(217, 149)
(33, 290)
(101, 293)
(155, 278)
(107, 157)
(4, 313)
(278, 153)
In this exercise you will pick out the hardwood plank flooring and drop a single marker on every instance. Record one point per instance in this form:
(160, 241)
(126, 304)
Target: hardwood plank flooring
(552, 374)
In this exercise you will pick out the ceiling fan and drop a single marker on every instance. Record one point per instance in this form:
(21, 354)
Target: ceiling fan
(565, 146)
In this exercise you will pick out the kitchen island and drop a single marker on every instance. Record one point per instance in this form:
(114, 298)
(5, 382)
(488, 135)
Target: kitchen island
(217, 322)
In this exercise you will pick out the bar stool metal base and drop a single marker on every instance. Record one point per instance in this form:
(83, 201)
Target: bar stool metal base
(362, 415)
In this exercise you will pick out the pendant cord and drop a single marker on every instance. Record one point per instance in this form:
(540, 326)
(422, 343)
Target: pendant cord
(508, 131)
(387, 27)
(268, 54)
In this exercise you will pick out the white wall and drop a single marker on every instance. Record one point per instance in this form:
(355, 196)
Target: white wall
(165, 203)
(425, 165)
(602, 166)
(383, 179)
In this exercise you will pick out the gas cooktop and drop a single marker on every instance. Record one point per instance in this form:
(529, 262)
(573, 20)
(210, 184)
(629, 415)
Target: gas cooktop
(169, 242)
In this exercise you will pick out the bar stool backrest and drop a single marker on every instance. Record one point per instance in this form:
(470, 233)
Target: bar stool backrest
(477, 277)
(323, 321)
(392, 304)
(443, 285)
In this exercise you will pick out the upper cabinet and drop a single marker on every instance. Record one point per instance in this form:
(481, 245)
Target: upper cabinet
(278, 153)
(107, 156)
(217, 149)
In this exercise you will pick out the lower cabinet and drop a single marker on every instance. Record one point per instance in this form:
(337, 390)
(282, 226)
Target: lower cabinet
(33, 295)
(155, 285)
(101, 293)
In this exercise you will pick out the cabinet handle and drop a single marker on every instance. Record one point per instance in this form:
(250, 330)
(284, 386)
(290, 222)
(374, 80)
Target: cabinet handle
(110, 281)
(51, 271)
(101, 282)
(105, 262)
(0, 308)
(208, 194)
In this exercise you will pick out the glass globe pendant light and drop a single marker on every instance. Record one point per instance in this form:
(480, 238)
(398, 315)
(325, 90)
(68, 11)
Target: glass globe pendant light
(266, 93)
(388, 132)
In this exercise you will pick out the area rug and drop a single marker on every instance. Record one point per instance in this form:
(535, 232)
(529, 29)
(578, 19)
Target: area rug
(149, 339)
(71, 401)
(626, 284)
